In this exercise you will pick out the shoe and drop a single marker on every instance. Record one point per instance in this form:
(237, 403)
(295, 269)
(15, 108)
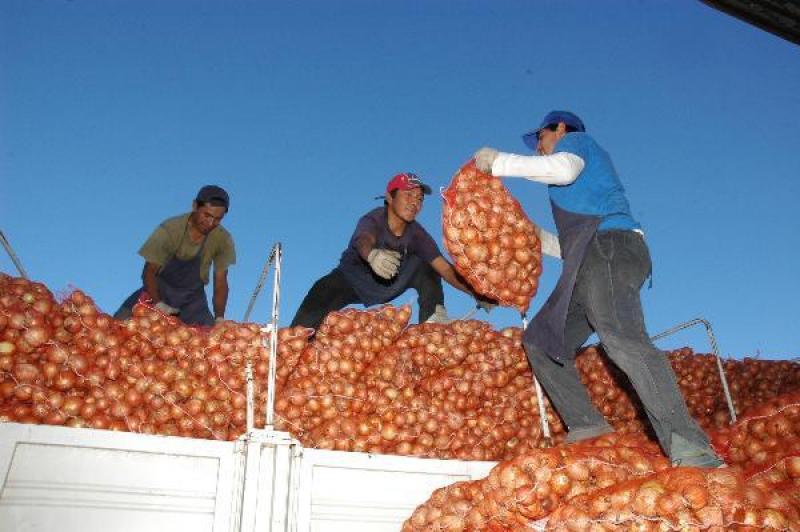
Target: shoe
(684, 453)
(585, 433)
(439, 316)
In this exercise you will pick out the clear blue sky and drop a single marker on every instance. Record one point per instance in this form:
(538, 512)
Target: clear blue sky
(113, 113)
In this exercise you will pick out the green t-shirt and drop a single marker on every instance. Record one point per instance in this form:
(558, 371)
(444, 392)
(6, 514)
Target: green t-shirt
(172, 238)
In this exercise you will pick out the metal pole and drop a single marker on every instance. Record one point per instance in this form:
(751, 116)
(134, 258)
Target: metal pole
(539, 398)
(13, 255)
(273, 344)
(714, 348)
(260, 283)
(250, 396)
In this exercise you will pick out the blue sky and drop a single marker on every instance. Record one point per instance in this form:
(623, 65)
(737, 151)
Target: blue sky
(113, 113)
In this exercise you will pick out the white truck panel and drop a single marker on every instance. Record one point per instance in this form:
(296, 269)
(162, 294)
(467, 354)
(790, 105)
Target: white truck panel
(355, 492)
(85, 480)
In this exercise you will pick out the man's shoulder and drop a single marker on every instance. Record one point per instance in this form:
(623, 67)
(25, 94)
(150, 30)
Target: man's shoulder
(175, 224)
(222, 235)
(576, 138)
(377, 213)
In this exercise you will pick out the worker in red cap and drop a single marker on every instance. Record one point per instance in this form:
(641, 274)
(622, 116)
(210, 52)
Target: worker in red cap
(178, 257)
(388, 253)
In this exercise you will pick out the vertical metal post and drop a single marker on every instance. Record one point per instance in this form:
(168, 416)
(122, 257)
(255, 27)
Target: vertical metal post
(714, 348)
(250, 397)
(273, 345)
(14, 258)
(539, 397)
(260, 282)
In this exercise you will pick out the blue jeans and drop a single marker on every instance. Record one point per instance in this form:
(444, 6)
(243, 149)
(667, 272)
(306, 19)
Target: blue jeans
(606, 300)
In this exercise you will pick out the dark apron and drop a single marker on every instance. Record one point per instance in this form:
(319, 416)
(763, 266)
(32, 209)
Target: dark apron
(180, 286)
(546, 331)
(373, 290)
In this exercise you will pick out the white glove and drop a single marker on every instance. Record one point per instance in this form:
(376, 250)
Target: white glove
(439, 316)
(550, 243)
(218, 320)
(166, 309)
(484, 158)
(384, 262)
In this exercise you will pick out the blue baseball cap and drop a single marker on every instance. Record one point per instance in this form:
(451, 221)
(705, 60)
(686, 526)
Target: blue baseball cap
(531, 138)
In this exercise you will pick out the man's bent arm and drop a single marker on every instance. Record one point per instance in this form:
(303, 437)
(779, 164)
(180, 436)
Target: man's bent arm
(220, 298)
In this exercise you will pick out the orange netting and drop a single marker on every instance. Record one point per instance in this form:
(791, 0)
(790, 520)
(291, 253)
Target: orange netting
(494, 245)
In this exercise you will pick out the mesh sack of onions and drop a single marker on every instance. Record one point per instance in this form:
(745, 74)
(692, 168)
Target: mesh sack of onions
(326, 394)
(521, 491)
(763, 435)
(494, 245)
(780, 485)
(69, 364)
(674, 499)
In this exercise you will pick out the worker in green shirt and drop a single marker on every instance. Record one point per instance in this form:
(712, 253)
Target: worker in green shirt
(178, 257)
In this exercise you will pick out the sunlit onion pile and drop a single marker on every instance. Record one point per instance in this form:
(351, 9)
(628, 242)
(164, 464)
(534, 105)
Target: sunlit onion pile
(674, 499)
(492, 242)
(367, 381)
(69, 364)
(621, 482)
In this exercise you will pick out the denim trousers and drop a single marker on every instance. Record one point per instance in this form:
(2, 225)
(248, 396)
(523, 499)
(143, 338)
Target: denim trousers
(606, 300)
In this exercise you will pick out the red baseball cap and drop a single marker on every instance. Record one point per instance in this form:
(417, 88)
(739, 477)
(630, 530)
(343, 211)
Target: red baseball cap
(407, 181)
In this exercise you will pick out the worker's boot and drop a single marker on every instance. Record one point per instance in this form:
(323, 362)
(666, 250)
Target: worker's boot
(439, 316)
(684, 453)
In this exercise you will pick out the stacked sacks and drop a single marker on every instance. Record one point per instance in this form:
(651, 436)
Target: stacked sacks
(780, 486)
(527, 488)
(69, 364)
(763, 435)
(680, 498)
(493, 243)
(326, 397)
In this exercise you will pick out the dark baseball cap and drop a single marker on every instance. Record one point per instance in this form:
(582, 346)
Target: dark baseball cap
(214, 195)
(531, 138)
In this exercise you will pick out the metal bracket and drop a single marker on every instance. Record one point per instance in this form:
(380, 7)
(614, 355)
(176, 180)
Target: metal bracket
(714, 348)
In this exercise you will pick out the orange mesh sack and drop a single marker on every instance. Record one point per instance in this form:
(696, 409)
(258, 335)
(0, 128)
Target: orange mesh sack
(494, 245)
(680, 498)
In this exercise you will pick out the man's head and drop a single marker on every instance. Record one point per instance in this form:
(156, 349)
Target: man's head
(554, 126)
(404, 194)
(209, 208)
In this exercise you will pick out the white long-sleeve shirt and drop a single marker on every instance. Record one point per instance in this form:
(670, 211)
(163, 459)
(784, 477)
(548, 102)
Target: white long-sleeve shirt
(557, 169)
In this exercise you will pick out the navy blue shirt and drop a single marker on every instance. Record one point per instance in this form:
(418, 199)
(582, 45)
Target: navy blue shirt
(598, 190)
(415, 246)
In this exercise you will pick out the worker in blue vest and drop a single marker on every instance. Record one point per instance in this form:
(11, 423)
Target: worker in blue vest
(605, 264)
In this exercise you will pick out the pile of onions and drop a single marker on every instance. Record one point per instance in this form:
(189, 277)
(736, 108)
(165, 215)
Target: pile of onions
(327, 394)
(674, 499)
(781, 484)
(494, 245)
(69, 364)
(370, 382)
(531, 486)
(449, 391)
(763, 435)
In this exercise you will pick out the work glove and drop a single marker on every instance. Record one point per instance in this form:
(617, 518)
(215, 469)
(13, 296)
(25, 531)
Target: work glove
(550, 243)
(485, 304)
(166, 309)
(384, 262)
(484, 158)
(439, 316)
